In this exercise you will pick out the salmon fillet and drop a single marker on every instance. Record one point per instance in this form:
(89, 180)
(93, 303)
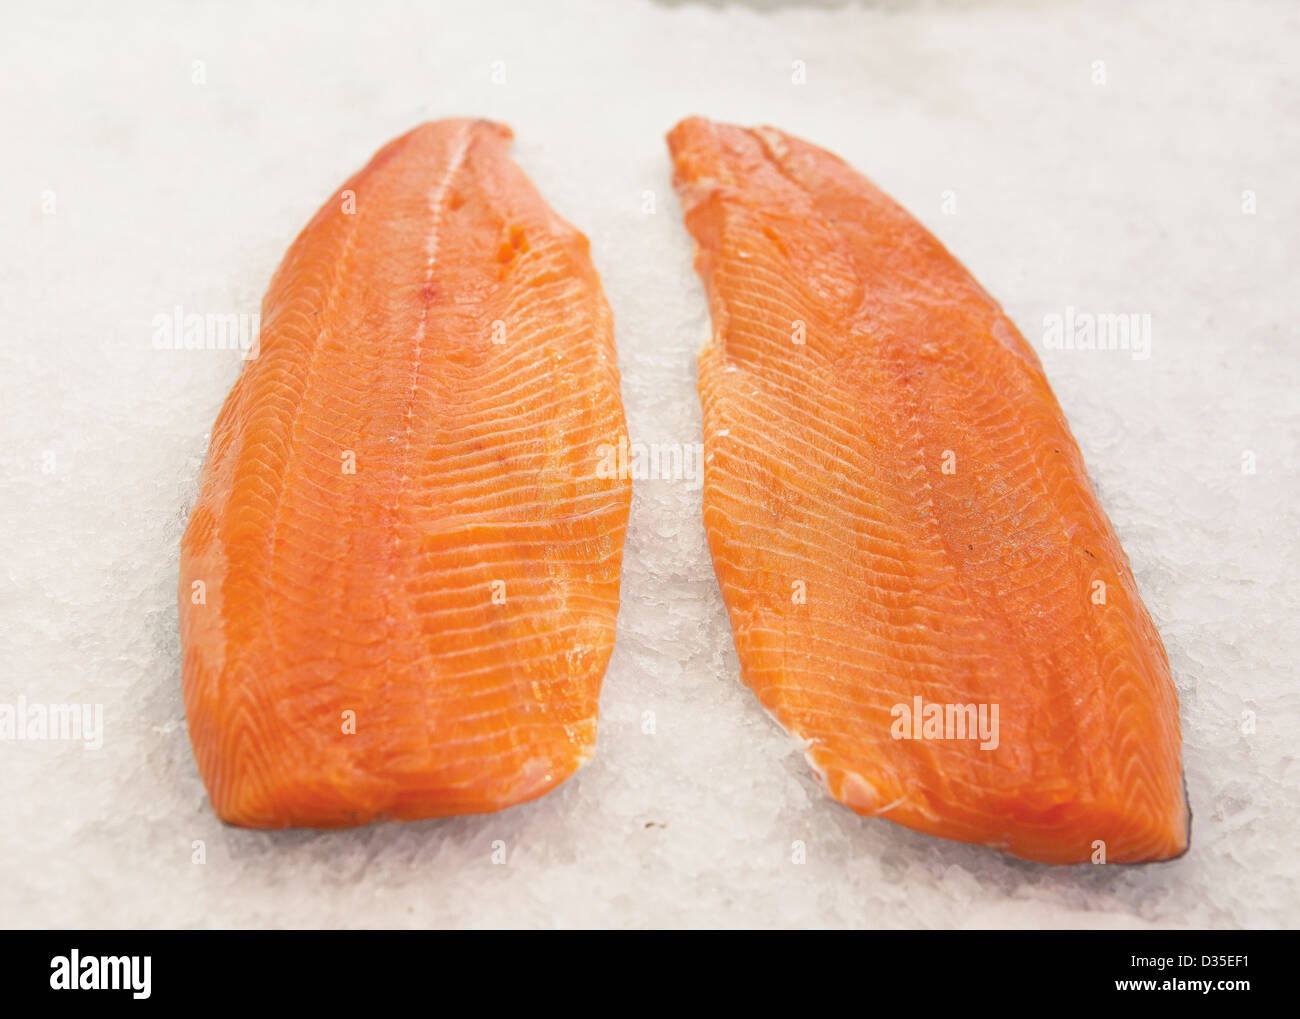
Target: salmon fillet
(398, 587)
(903, 529)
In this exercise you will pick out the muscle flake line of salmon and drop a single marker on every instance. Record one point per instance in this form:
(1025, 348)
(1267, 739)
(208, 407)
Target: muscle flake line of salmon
(399, 584)
(898, 515)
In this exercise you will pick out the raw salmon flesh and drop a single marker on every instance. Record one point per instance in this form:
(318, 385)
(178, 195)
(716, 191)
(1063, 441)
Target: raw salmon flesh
(921, 583)
(399, 584)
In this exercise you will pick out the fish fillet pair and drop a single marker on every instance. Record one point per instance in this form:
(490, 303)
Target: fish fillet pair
(400, 581)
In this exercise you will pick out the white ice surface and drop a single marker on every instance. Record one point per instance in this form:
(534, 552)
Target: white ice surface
(1117, 197)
